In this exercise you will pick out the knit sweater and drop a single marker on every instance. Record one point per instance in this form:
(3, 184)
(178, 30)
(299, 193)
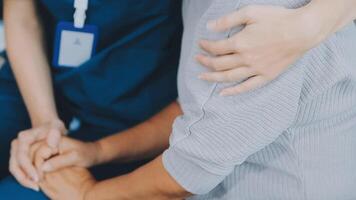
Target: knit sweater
(293, 139)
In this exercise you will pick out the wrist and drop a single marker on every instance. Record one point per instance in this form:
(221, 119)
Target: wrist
(317, 27)
(327, 16)
(99, 155)
(109, 150)
(46, 119)
(96, 150)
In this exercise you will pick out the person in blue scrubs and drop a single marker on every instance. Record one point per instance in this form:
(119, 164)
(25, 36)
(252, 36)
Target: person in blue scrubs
(131, 77)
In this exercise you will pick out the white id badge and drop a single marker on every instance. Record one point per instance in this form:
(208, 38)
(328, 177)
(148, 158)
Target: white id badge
(74, 46)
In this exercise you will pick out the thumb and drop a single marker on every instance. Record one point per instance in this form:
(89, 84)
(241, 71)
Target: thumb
(53, 138)
(60, 161)
(234, 19)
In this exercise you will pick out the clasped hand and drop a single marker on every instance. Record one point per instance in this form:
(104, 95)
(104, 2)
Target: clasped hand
(63, 174)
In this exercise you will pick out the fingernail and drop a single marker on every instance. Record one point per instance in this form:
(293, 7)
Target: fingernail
(211, 25)
(46, 167)
(36, 188)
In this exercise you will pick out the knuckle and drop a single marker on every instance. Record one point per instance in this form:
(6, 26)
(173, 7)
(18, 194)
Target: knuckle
(207, 47)
(236, 46)
(248, 59)
(240, 46)
(211, 48)
(14, 143)
(229, 76)
(259, 68)
(214, 64)
(23, 136)
(21, 133)
(222, 22)
(40, 153)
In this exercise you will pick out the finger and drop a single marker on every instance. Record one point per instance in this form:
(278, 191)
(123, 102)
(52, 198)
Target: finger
(26, 139)
(245, 86)
(34, 149)
(60, 161)
(219, 47)
(221, 63)
(229, 21)
(234, 75)
(27, 166)
(54, 137)
(41, 156)
(17, 172)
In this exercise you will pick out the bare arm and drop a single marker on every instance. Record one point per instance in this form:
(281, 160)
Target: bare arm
(147, 140)
(151, 181)
(26, 50)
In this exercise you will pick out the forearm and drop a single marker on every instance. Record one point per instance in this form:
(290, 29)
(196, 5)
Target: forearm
(26, 51)
(330, 15)
(145, 140)
(151, 181)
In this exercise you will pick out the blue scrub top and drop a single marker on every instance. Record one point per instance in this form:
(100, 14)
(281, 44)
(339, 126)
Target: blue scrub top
(133, 74)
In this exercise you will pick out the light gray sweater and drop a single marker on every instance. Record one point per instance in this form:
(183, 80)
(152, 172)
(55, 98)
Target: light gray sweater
(293, 139)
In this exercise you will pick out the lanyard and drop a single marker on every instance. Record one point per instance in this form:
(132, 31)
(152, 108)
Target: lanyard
(81, 6)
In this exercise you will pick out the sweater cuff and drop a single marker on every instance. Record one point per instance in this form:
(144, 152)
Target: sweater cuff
(188, 174)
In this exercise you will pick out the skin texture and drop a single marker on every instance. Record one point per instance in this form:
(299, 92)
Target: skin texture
(152, 181)
(75, 181)
(20, 148)
(65, 179)
(258, 54)
(72, 153)
(25, 46)
(150, 138)
(26, 50)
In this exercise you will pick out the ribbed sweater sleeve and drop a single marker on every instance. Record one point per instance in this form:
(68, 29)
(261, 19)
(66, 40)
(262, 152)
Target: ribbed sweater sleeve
(230, 130)
(274, 142)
